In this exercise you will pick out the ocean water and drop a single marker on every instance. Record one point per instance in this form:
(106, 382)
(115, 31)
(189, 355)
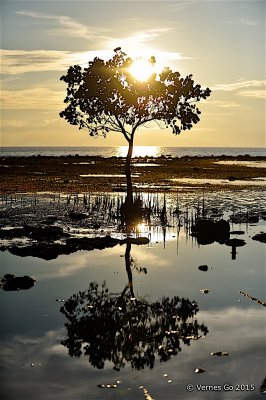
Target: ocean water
(121, 151)
(34, 333)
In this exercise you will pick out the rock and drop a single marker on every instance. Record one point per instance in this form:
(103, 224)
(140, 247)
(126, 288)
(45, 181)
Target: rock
(205, 291)
(203, 268)
(50, 251)
(12, 283)
(199, 370)
(77, 216)
(244, 218)
(40, 233)
(260, 237)
(138, 240)
(234, 243)
(46, 233)
(208, 231)
(220, 353)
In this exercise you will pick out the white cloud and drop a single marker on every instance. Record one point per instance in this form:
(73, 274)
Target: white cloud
(258, 94)
(248, 22)
(135, 44)
(23, 61)
(67, 25)
(137, 39)
(28, 61)
(244, 22)
(246, 88)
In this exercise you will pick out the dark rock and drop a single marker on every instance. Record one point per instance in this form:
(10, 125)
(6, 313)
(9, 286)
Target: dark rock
(77, 216)
(46, 233)
(91, 243)
(235, 242)
(138, 240)
(260, 237)
(244, 218)
(12, 283)
(253, 219)
(208, 231)
(203, 267)
(40, 233)
(220, 353)
(46, 251)
(50, 251)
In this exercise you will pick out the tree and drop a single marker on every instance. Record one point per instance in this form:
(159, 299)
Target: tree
(124, 329)
(105, 97)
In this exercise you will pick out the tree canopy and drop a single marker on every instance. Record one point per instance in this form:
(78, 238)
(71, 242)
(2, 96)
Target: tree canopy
(123, 329)
(106, 97)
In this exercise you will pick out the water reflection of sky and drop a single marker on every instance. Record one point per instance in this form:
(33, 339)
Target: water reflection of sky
(32, 325)
(55, 375)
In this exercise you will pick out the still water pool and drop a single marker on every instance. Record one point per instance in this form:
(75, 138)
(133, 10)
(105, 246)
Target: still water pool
(156, 331)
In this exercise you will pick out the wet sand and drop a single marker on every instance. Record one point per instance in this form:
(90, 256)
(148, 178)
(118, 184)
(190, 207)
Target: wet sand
(82, 174)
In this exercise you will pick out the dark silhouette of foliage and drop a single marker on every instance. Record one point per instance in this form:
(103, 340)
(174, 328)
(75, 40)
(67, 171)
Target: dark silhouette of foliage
(11, 282)
(106, 97)
(121, 328)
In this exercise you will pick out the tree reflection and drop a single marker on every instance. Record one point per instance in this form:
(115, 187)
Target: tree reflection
(122, 329)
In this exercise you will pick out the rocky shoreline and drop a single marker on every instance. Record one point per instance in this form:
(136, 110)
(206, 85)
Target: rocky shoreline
(83, 174)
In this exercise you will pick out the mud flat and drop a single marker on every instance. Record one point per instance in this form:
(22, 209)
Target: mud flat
(81, 174)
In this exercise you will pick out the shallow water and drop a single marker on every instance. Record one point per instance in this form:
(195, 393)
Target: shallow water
(235, 182)
(36, 365)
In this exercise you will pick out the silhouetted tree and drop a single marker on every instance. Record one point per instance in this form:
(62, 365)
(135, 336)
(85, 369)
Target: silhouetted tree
(121, 328)
(105, 97)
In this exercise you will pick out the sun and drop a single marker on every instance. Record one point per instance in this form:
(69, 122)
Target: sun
(141, 69)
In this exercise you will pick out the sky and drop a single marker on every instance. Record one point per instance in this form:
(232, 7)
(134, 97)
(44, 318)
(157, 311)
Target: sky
(221, 43)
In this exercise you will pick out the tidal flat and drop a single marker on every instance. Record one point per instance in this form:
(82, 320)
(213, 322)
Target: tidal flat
(82, 174)
(173, 308)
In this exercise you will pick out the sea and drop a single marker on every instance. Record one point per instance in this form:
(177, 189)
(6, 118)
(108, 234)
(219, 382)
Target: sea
(121, 151)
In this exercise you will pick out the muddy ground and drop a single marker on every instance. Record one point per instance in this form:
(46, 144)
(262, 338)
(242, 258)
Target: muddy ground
(64, 174)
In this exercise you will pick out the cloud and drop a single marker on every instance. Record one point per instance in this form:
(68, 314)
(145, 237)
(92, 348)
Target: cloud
(246, 88)
(244, 21)
(23, 61)
(258, 94)
(32, 99)
(134, 44)
(222, 104)
(248, 22)
(27, 61)
(67, 26)
(137, 39)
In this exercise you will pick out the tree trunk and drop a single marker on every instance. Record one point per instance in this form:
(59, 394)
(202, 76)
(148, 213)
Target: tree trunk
(129, 197)
(128, 268)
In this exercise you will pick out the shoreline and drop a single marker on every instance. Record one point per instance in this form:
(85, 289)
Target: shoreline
(91, 174)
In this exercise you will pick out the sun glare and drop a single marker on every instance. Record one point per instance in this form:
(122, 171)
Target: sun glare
(141, 69)
(139, 151)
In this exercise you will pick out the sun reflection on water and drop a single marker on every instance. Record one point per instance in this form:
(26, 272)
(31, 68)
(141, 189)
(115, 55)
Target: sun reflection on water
(139, 151)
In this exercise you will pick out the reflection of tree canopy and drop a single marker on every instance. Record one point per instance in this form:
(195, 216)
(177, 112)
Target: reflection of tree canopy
(121, 328)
